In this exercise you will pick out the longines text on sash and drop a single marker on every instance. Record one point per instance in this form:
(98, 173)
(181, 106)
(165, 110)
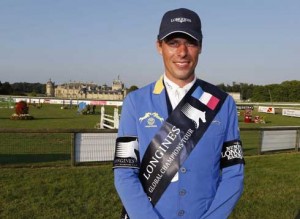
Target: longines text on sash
(161, 151)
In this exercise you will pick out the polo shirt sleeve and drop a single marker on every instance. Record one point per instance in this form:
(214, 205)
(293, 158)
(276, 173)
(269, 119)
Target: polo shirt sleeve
(126, 179)
(232, 176)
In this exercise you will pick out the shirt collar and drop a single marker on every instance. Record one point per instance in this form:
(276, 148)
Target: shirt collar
(171, 86)
(159, 86)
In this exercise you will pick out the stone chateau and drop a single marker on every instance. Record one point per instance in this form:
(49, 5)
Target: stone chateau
(80, 90)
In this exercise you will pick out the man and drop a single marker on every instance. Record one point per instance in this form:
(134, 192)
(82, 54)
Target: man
(178, 151)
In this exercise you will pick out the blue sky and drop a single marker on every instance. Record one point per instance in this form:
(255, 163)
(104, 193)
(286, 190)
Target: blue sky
(253, 41)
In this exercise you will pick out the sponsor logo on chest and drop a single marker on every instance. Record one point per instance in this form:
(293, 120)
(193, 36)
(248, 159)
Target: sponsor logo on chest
(151, 119)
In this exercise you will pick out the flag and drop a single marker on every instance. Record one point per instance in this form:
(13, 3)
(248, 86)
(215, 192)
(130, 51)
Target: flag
(206, 98)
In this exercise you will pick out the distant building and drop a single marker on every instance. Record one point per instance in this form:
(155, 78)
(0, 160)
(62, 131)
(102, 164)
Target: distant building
(117, 85)
(236, 96)
(50, 88)
(80, 90)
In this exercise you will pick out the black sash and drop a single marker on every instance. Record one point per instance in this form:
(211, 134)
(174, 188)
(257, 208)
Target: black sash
(177, 137)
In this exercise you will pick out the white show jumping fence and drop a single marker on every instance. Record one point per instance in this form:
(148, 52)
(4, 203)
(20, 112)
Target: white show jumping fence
(109, 121)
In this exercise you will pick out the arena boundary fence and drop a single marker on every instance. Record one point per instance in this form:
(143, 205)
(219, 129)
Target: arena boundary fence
(71, 147)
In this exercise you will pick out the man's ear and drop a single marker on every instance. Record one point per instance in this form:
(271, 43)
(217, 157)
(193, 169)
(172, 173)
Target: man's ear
(159, 46)
(200, 50)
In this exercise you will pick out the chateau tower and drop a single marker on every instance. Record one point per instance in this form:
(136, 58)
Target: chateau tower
(117, 84)
(50, 89)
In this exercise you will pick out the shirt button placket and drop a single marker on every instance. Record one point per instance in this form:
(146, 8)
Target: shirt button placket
(182, 192)
(183, 170)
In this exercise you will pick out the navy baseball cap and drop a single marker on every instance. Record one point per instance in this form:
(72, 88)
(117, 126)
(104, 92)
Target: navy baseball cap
(180, 20)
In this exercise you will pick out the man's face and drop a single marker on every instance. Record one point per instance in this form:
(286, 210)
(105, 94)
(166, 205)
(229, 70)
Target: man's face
(180, 55)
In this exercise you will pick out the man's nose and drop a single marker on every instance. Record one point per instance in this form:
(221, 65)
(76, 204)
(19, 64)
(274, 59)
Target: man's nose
(182, 49)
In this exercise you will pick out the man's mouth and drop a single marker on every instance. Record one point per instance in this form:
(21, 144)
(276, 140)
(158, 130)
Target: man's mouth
(182, 64)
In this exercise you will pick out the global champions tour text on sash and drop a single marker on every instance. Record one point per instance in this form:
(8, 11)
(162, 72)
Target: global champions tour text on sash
(160, 152)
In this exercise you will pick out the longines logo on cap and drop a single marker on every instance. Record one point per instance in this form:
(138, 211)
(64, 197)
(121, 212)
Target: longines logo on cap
(151, 119)
(181, 20)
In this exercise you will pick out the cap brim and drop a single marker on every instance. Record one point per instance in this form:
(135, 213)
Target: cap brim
(194, 36)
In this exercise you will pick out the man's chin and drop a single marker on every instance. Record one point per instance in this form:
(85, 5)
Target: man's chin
(185, 76)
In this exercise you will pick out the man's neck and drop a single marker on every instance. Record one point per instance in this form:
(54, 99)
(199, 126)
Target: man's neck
(181, 83)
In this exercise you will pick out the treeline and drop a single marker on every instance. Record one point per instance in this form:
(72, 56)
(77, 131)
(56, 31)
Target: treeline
(287, 91)
(22, 89)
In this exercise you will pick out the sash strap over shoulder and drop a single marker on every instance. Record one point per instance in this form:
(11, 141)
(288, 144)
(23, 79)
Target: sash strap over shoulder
(178, 136)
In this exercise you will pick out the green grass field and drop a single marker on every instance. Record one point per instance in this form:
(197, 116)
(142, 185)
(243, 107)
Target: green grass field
(51, 116)
(271, 120)
(271, 181)
(271, 191)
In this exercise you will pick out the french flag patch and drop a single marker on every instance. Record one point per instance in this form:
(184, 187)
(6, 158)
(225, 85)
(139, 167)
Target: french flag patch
(206, 98)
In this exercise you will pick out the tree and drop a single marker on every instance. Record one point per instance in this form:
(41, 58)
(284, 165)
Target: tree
(222, 86)
(293, 88)
(132, 88)
(5, 88)
(246, 91)
(260, 94)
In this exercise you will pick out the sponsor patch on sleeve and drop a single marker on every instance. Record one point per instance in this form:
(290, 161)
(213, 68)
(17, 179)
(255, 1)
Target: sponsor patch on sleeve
(127, 153)
(232, 153)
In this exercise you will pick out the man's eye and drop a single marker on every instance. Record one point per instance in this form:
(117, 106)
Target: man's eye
(191, 44)
(172, 43)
